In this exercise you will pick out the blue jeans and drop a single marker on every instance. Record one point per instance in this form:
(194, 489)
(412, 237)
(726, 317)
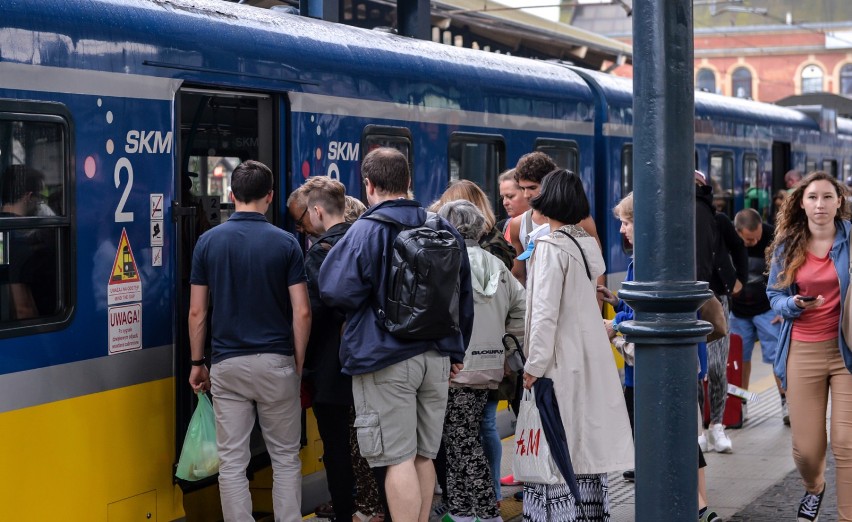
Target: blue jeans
(491, 443)
(758, 327)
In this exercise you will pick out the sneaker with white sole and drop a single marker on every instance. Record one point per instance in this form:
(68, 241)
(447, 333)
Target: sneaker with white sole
(809, 507)
(718, 439)
(702, 443)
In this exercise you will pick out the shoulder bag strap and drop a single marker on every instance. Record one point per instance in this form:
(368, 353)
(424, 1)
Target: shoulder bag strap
(586, 263)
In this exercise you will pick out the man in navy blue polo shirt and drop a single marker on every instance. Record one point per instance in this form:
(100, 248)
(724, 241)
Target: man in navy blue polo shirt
(253, 276)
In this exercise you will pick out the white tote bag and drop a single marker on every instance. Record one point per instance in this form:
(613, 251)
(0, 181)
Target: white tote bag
(532, 462)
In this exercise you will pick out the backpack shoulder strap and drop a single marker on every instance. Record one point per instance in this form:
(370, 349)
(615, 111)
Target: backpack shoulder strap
(384, 219)
(585, 263)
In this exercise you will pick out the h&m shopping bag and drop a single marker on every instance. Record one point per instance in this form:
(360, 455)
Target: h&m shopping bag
(532, 461)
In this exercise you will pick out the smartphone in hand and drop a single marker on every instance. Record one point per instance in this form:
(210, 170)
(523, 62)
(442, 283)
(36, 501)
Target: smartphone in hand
(807, 298)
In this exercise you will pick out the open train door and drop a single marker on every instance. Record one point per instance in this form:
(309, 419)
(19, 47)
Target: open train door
(218, 130)
(780, 164)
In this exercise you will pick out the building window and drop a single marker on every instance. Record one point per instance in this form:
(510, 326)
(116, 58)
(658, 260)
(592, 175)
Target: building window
(741, 85)
(846, 79)
(706, 80)
(811, 79)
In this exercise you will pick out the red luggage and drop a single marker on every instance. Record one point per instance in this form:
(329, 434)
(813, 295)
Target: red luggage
(733, 417)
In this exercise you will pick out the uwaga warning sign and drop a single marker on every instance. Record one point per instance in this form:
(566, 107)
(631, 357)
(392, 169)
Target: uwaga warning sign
(125, 286)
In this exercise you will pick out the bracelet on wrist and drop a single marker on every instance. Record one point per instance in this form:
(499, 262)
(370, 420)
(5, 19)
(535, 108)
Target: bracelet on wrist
(199, 362)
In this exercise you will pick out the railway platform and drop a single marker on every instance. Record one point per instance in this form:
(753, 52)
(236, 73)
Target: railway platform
(758, 482)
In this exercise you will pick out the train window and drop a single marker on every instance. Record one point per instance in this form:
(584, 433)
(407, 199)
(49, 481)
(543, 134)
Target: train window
(810, 166)
(399, 138)
(479, 158)
(722, 180)
(565, 153)
(626, 170)
(757, 187)
(35, 223)
(830, 166)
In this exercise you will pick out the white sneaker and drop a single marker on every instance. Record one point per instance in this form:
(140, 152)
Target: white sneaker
(702, 443)
(718, 439)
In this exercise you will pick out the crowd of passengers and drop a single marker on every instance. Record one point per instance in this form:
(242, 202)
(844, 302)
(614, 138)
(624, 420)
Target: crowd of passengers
(408, 408)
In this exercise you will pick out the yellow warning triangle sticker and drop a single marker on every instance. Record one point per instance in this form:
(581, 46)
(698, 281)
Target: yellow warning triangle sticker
(124, 267)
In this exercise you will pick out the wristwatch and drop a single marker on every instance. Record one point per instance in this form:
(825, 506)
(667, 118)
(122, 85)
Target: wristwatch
(199, 362)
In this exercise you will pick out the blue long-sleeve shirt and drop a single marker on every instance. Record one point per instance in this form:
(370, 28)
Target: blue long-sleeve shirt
(623, 312)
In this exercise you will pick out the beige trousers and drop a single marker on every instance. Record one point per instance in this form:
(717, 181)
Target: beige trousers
(814, 369)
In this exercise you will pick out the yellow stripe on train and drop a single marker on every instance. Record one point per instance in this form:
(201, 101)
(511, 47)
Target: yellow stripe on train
(108, 457)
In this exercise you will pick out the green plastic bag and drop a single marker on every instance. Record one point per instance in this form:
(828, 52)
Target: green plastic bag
(199, 457)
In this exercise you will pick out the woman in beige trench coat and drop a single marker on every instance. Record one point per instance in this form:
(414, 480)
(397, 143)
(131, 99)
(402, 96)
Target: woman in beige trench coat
(567, 342)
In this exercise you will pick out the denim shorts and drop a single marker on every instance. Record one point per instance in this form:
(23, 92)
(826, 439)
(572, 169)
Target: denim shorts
(755, 328)
(400, 409)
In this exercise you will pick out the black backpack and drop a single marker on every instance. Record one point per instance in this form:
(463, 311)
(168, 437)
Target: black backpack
(422, 285)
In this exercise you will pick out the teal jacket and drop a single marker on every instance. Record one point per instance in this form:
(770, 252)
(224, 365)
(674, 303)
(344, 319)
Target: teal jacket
(782, 303)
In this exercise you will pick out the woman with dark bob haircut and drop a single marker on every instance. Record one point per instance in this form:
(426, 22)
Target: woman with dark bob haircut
(562, 198)
(567, 343)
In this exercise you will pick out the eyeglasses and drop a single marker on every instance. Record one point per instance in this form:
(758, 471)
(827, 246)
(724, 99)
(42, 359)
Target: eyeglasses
(299, 221)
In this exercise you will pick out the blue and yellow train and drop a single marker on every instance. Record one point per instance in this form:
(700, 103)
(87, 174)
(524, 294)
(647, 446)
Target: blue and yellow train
(132, 115)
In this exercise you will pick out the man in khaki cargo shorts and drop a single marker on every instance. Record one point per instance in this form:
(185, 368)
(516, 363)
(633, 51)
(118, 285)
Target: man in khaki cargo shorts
(399, 385)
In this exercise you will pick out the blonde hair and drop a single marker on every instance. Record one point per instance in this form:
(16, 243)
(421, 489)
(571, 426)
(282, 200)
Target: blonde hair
(792, 234)
(507, 175)
(469, 191)
(328, 193)
(624, 209)
(354, 209)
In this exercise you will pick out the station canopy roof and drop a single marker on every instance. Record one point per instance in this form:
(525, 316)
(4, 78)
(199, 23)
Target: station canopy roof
(841, 104)
(493, 26)
(531, 35)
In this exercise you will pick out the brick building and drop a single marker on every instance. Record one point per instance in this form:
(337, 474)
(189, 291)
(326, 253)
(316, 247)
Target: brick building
(766, 50)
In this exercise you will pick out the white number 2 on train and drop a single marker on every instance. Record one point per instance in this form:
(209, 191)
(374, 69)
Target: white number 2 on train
(121, 216)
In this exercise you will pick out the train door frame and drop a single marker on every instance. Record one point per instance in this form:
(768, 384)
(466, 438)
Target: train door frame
(186, 207)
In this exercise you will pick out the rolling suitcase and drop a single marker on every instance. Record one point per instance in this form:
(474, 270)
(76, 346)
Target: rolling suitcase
(733, 417)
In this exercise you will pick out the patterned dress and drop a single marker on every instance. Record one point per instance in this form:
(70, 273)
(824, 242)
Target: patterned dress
(555, 503)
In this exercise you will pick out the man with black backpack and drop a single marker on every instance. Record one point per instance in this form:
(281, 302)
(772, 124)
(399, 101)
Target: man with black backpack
(403, 279)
